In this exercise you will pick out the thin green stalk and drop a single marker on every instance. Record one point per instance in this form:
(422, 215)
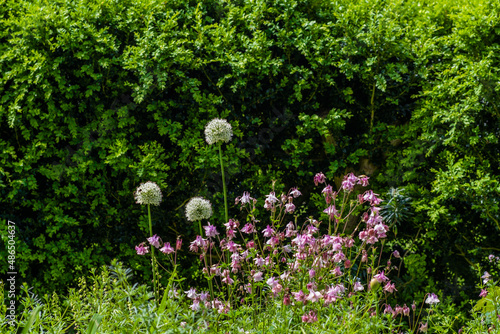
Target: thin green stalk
(223, 183)
(152, 255)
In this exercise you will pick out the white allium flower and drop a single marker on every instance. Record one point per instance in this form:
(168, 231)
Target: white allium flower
(218, 130)
(198, 208)
(148, 193)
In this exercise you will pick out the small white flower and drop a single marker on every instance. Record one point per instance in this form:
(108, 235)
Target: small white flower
(198, 208)
(148, 193)
(432, 299)
(218, 130)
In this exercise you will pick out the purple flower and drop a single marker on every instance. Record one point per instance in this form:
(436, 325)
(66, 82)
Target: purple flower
(396, 254)
(248, 228)
(432, 299)
(381, 278)
(268, 231)
(232, 224)
(257, 277)
(272, 282)
(388, 309)
(295, 192)
(167, 249)
(358, 286)
(259, 262)
(363, 180)
(349, 182)
(154, 241)
(271, 198)
(289, 207)
(178, 244)
(319, 178)
(483, 293)
(244, 199)
(141, 249)
(314, 296)
(191, 293)
(331, 211)
(210, 230)
(371, 197)
(328, 193)
(486, 277)
(299, 296)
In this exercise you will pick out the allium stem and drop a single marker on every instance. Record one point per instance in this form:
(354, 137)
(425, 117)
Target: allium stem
(152, 255)
(223, 183)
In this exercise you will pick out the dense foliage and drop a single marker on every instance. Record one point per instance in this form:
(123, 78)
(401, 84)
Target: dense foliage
(99, 96)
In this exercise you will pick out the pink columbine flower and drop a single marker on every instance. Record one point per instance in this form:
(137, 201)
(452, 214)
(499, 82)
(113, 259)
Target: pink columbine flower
(289, 207)
(483, 293)
(358, 286)
(232, 224)
(211, 231)
(406, 310)
(388, 309)
(295, 192)
(312, 273)
(259, 262)
(396, 254)
(286, 300)
(268, 231)
(423, 328)
(191, 293)
(243, 199)
(349, 182)
(331, 211)
(248, 228)
(141, 249)
(319, 178)
(196, 305)
(328, 193)
(381, 278)
(154, 241)
(270, 200)
(486, 277)
(390, 287)
(230, 234)
(314, 296)
(363, 180)
(272, 282)
(299, 296)
(227, 279)
(204, 296)
(432, 299)
(167, 249)
(178, 244)
(257, 277)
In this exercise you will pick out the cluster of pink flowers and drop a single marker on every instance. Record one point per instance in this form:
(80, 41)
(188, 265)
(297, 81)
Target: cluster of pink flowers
(202, 299)
(272, 258)
(156, 242)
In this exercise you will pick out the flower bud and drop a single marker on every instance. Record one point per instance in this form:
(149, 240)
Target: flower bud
(374, 284)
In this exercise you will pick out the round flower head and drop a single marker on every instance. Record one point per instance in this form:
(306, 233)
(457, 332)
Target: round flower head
(218, 130)
(148, 193)
(198, 208)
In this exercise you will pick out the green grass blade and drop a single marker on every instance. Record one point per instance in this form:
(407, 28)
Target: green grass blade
(31, 319)
(94, 324)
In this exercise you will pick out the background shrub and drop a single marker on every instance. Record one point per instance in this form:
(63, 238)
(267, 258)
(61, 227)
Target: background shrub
(97, 97)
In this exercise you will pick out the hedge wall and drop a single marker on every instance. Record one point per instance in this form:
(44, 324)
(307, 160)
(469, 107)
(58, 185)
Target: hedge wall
(99, 96)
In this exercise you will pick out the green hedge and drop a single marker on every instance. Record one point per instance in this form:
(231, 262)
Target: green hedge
(99, 96)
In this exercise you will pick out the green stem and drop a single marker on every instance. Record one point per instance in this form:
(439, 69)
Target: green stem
(223, 183)
(152, 255)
